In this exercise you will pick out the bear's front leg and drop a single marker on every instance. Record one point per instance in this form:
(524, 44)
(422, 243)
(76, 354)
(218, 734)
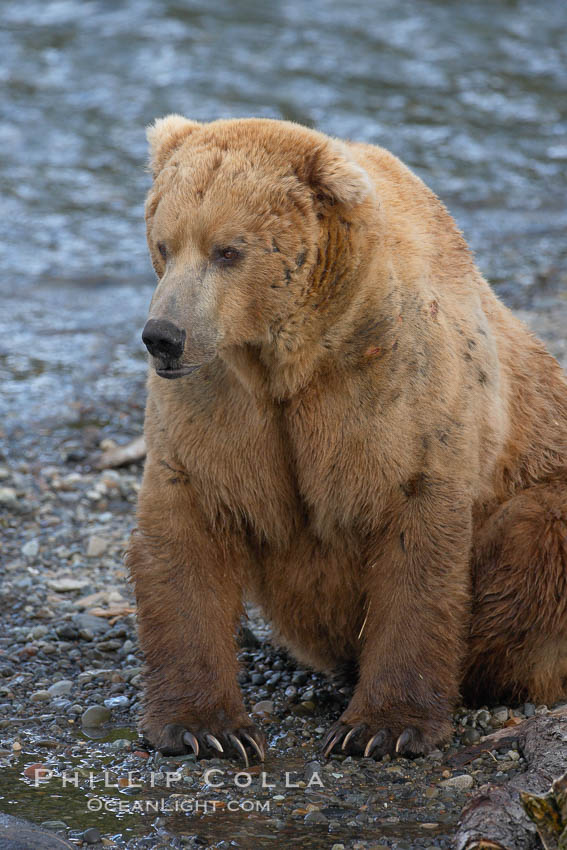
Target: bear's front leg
(415, 624)
(188, 582)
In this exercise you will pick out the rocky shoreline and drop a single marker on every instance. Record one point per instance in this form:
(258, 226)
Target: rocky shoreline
(71, 674)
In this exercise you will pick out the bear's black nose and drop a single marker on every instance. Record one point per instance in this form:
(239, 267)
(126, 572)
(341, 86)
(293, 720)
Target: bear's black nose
(163, 339)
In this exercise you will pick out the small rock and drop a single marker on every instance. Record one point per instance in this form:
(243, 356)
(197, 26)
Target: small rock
(91, 836)
(460, 783)
(483, 717)
(37, 771)
(117, 702)
(120, 744)
(265, 706)
(91, 624)
(60, 688)
(109, 645)
(470, 736)
(529, 709)
(8, 496)
(500, 714)
(315, 817)
(66, 631)
(312, 769)
(40, 696)
(97, 546)
(30, 549)
(66, 585)
(95, 715)
(53, 824)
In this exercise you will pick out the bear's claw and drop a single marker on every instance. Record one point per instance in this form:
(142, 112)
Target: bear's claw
(176, 739)
(357, 740)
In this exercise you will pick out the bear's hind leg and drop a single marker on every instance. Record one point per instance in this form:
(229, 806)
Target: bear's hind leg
(518, 640)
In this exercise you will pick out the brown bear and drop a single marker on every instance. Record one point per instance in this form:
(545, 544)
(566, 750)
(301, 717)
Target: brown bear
(345, 425)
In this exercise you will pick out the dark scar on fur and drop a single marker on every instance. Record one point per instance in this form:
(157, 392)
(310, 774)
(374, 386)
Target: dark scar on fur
(403, 541)
(482, 377)
(300, 259)
(275, 249)
(287, 275)
(471, 343)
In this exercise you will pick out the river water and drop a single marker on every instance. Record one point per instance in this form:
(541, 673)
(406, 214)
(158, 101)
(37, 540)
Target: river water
(473, 96)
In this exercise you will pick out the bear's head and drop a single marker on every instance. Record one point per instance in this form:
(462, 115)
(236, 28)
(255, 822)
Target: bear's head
(249, 224)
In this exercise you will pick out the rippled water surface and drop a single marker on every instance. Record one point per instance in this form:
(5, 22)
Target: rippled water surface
(472, 95)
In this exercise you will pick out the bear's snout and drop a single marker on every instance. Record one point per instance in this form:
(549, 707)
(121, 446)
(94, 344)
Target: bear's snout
(163, 339)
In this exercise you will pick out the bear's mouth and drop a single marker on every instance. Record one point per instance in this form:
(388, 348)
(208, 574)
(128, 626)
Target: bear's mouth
(172, 372)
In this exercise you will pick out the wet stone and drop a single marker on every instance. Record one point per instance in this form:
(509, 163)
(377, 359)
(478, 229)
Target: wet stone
(64, 686)
(95, 715)
(315, 817)
(460, 783)
(40, 696)
(470, 736)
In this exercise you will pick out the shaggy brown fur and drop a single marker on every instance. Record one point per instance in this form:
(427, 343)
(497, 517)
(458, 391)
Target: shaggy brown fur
(362, 438)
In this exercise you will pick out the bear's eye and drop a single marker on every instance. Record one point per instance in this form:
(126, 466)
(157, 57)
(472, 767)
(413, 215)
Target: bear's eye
(226, 255)
(162, 249)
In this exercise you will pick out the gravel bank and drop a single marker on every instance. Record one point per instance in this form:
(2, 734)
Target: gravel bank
(70, 679)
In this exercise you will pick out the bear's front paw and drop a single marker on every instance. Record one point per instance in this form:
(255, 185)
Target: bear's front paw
(174, 739)
(377, 739)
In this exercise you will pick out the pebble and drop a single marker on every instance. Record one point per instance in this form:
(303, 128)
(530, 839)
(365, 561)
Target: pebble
(265, 706)
(315, 817)
(312, 769)
(97, 546)
(8, 496)
(500, 714)
(91, 624)
(66, 585)
(60, 688)
(95, 715)
(461, 783)
(40, 696)
(91, 836)
(117, 702)
(470, 736)
(30, 549)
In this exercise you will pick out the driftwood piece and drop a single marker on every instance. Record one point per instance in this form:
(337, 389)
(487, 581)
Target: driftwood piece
(549, 813)
(495, 817)
(121, 455)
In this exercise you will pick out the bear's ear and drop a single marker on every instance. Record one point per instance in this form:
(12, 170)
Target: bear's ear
(164, 136)
(333, 174)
